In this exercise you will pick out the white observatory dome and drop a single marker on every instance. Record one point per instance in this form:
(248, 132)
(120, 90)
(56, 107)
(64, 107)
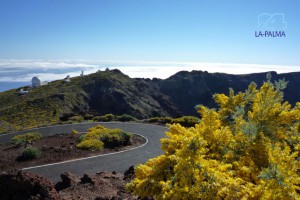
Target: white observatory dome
(36, 82)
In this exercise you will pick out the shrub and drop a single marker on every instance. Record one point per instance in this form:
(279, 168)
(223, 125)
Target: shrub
(109, 137)
(97, 119)
(97, 130)
(126, 118)
(116, 138)
(186, 121)
(160, 120)
(91, 144)
(26, 138)
(74, 132)
(82, 138)
(247, 149)
(76, 118)
(107, 118)
(88, 116)
(30, 153)
(104, 118)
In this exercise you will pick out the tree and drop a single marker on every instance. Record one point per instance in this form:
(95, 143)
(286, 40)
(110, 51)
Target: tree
(246, 149)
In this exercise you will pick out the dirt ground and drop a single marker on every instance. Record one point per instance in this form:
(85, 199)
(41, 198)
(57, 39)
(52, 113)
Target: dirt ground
(101, 186)
(54, 148)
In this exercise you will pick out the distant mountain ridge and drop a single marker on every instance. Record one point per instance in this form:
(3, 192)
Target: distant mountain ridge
(198, 87)
(113, 92)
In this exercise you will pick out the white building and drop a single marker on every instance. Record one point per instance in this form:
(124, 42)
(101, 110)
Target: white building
(67, 79)
(36, 82)
(22, 91)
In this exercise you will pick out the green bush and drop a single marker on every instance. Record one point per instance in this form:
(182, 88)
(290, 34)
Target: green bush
(76, 118)
(160, 120)
(187, 121)
(111, 117)
(26, 138)
(97, 119)
(115, 139)
(108, 137)
(91, 144)
(126, 118)
(82, 138)
(74, 132)
(107, 118)
(104, 118)
(30, 153)
(88, 116)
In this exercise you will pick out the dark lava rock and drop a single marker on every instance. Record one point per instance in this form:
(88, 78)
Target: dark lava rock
(129, 174)
(67, 180)
(104, 185)
(25, 185)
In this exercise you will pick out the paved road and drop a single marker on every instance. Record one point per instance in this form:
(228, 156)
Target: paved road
(115, 162)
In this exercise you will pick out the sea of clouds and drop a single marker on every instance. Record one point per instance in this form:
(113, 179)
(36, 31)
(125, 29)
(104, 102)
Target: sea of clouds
(16, 73)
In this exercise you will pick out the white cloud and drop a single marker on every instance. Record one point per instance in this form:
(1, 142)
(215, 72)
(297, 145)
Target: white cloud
(48, 70)
(43, 64)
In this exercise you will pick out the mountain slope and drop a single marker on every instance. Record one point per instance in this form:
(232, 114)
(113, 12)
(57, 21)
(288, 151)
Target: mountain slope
(113, 92)
(101, 93)
(198, 87)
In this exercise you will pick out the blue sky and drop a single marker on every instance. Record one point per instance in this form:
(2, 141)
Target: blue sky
(123, 33)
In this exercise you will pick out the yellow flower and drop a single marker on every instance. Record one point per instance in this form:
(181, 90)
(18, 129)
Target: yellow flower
(247, 149)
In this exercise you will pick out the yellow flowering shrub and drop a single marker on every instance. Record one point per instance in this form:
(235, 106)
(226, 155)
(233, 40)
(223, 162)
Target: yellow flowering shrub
(91, 144)
(106, 137)
(26, 138)
(248, 148)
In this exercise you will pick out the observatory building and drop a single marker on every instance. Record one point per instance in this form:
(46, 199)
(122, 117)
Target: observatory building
(36, 82)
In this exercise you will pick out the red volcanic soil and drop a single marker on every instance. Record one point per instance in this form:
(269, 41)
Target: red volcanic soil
(53, 149)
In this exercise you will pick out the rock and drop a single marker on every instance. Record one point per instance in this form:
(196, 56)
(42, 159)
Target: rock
(25, 185)
(108, 175)
(57, 149)
(102, 186)
(44, 148)
(129, 174)
(67, 180)
(87, 179)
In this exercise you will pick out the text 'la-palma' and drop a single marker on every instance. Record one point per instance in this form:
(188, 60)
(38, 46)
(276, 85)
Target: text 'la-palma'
(270, 34)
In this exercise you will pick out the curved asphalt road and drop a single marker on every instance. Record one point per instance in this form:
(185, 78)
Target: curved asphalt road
(119, 162)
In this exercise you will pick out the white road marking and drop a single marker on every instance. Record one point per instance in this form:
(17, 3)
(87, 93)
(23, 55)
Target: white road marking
(78, 159)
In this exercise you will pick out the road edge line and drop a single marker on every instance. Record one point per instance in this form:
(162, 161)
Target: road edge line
(78, 159)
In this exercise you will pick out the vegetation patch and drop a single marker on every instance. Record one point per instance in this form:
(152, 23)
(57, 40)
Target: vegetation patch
(61, 147)
(99, 136)
(91, 144)
(76, 119)
(26, 138)
(126, 118)
(160, 120)
(246, 149)
(30, 153)
(186, 121)
(104, 118)
(111, 117)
